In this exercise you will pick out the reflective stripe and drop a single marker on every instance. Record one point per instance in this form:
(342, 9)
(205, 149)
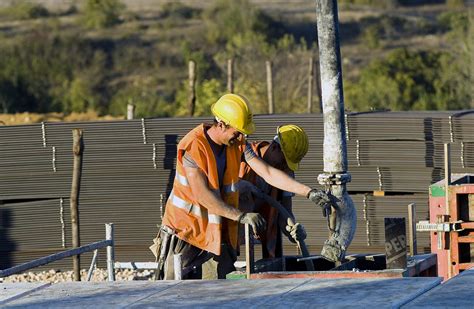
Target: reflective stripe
(180, 203)
(196, 210)
(215, 219)
(182, 179)
(233, 187)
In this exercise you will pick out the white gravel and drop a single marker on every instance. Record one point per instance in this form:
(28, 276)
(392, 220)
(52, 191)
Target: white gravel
(99, 275)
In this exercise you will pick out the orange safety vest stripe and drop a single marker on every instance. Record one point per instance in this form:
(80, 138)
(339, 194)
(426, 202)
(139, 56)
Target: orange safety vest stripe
(191, 220)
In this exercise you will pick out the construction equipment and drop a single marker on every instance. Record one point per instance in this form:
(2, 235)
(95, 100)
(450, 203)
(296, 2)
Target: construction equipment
(451, 224)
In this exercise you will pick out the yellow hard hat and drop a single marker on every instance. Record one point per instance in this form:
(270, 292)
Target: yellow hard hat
(233, 110)
(294, 144)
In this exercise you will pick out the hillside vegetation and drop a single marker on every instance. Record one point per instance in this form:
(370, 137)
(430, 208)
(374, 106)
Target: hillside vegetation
(100, 56)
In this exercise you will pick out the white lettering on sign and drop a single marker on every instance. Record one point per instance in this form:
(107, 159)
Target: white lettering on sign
(396, 244)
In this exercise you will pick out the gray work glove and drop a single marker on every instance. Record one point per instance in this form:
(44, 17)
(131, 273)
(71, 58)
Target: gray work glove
(297, 232)
(323, 200)
(255, 220)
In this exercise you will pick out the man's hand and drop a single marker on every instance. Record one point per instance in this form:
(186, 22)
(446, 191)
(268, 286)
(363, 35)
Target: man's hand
(323, 200)
(255, 220)
(297, 232)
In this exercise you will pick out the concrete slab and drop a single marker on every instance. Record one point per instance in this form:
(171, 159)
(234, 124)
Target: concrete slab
(267, 293)
(359, 293)
(90, 294)
(12, 291)
(456, 292)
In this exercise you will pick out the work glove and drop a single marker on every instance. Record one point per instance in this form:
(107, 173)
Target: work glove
(323, 200)
(255, 220)
(297, 232)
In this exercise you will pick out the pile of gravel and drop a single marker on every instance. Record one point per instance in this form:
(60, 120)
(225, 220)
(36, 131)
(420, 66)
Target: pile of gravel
(99, 275)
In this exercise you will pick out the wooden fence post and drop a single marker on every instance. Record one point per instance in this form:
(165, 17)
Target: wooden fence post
(230, 75)
(77, 148)
(318, 87)
(130, 111)
(192, 87)
(270, 86)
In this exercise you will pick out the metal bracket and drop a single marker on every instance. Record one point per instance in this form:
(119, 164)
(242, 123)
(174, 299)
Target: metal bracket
(346, 122)
(367, 221)
(43, 133)
(327, 179)
(53, 160)
(144, 131)
(358, 152)
(446, 227)
(154, 156)
(380, 179)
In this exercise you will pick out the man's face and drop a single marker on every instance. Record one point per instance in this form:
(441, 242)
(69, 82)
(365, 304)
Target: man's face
(275, 157)
(231, 135)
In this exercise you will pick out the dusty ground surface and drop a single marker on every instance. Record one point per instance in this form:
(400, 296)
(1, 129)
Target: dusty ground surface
(27, 118)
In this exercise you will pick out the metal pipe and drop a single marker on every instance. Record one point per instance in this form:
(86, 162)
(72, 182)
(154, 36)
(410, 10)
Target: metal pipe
(54, 257)
(109, 235)
(178, 266)
(93, 265)
(335, 174)
(249, 254)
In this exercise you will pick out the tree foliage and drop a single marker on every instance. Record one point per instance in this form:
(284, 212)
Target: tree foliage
(102, 13)
(408, 80)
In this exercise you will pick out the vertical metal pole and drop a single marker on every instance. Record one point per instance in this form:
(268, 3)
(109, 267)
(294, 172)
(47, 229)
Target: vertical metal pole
(130, 111)
(249, 254)
(310, 84)
(335, 174)
(412, 228)
(77, 148)
(192, 87)
(447, 172)
(178, 266)
(109, 235)
(447, 183)
(268, 65)
(230, 75)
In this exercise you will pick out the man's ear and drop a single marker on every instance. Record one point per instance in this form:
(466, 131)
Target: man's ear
(221, 125)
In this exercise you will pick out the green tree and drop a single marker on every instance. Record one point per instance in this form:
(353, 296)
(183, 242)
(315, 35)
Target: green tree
(102, 13)
(408, 80)
(228, 18)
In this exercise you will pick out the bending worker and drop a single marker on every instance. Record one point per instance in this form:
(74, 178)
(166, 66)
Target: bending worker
(285, 152)
(201, 219)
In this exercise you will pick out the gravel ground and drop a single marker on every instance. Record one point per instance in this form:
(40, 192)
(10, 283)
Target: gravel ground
(99, 275)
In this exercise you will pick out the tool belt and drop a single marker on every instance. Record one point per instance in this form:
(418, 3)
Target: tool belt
(162, 243)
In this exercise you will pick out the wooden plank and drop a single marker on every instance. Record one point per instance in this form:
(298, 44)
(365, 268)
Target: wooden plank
(379, 193)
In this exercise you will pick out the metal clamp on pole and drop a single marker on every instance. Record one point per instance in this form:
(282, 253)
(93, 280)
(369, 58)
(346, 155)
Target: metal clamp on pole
(328, 179)
(440, 228)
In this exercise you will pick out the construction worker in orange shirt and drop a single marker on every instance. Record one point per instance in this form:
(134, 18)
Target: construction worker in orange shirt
(202, 218)
(284, 152)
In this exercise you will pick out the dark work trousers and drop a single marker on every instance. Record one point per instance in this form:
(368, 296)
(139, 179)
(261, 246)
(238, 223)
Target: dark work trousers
(198, 263)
